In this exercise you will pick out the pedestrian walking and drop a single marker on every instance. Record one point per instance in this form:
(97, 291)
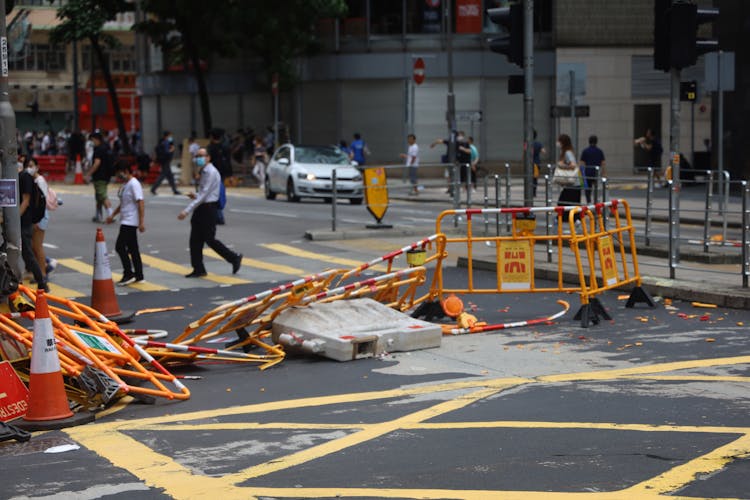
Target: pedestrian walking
(359, 148)
(164, 153)
(569, 195)
(260, 159)
(591, 158)
(203, 207)
(412, 162)
(652, 145)
(132, 213)
(100, 173)
(31, 210)
(537, 151)
(46, 265)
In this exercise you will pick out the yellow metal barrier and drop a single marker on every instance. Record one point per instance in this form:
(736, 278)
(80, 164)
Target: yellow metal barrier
(593, 248)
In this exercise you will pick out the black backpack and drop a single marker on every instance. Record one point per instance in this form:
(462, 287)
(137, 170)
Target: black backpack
(37, 204)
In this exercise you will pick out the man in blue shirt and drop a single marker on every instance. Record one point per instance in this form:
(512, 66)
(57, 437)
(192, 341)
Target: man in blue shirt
(591, 158)
(204, 206)
(359, 149)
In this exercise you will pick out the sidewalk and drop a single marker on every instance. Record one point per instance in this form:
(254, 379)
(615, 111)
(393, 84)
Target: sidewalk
(714, 277)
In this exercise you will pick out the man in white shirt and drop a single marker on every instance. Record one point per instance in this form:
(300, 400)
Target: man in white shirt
(204, 206)
(132, 215)
(412, 161)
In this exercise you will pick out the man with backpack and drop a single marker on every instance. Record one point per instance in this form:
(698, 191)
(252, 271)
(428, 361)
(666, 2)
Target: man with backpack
(102, 165)
(32, 209)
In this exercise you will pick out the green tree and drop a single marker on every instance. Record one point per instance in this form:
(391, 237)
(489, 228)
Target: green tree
(84, 20)
(190, 32)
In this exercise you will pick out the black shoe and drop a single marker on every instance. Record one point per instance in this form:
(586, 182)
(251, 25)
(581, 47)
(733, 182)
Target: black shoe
(153, 191)
(236, 263)
(177, 193)
(196, 274)
(138, 279)
(126, 280)
(43, 286)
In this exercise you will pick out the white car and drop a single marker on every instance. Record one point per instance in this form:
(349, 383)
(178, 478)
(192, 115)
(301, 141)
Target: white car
(306, 172)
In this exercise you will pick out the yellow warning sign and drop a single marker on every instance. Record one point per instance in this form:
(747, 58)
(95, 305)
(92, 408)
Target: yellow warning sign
(607, 257)
(376, 192)
(514, 265)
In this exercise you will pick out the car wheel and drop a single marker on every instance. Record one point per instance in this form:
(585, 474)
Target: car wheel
(355, 201)
(270, 195)
(290, 195)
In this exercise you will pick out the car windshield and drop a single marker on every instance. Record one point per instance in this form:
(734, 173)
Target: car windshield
(326, 155)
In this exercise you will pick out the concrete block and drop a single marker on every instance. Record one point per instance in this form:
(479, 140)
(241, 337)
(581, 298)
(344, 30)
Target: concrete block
(352, 329)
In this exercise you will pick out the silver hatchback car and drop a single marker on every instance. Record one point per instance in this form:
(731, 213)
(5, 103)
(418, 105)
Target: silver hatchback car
(306, 172)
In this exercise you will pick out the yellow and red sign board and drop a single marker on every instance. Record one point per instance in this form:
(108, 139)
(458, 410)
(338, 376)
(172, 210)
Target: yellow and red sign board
(14, 396)
(607, 258)
(376, 192)
(514, 265)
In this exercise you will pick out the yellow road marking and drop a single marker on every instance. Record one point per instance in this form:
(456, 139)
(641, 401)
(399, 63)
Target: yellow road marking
(88, 269)
(160, 471)
(686, 473)
(296, 252)
(171, 267)
(61, 291)
(259, 264)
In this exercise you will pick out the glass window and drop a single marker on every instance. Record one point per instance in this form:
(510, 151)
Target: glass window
(355, 23)
(386, 17)
(326, 155)
(423, 16)
(39, 57)
(120, 60)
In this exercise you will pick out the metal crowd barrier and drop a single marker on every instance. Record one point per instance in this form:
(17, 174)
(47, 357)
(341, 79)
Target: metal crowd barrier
(604, 253)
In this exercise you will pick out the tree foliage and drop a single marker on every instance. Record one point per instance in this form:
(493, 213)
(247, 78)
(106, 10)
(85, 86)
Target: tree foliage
(84, 20)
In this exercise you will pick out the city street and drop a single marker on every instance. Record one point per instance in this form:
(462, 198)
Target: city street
(650, 404)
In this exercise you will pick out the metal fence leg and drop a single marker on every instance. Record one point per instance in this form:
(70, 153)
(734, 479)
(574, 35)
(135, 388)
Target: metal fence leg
(673, 249)
(649, 204)
(709, 201)
(745, 238)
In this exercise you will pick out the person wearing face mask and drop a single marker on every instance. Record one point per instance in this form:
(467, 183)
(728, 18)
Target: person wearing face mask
(164, 154)
(46, 264)
(27, 190)
(132, 214)
(569, 195)
(100, 173)
(204, 207)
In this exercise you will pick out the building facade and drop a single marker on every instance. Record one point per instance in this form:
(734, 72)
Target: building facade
(362, 81)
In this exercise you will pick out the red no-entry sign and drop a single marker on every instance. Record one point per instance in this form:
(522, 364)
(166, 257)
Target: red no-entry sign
(418, 71)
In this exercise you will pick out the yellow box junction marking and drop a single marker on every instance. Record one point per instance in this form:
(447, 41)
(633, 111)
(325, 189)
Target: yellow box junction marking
(297, 252)
(159, 471)
(259, 264)
(171, 267)
(88, 269)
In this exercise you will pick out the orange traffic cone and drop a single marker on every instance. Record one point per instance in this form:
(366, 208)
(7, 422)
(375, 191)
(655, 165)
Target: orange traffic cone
(48, 403)
(79, 171)
(103, 297)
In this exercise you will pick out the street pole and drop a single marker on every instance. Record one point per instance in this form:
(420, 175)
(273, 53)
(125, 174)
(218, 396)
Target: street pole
(573, 128)
(75, 86)
(451, 113)
(674, 157)
(528, 102)
(720, 132)
(8, 153)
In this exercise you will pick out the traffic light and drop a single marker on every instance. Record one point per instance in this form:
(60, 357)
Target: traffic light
(676, 44)
(689, 91)
(510, 44)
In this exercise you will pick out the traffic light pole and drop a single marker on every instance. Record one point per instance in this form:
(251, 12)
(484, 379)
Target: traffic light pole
(674, 159)
(528, 102)
(8, 152)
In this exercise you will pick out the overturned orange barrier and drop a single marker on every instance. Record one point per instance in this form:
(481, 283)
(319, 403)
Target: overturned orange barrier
(96, 352)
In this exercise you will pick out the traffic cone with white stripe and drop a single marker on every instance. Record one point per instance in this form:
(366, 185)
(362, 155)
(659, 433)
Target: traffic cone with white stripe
(103, 297)
(48, 403)
(79, 171)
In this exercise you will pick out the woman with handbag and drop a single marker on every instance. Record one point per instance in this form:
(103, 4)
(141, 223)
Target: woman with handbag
(567, 173)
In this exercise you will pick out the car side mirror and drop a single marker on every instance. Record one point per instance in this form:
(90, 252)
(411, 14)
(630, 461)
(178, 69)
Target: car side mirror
(283, 161)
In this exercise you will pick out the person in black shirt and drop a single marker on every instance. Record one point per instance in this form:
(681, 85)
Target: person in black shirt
(26, 191)
(100, 173)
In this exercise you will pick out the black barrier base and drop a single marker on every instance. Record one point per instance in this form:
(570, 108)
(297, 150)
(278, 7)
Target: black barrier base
(242, 335)
(429, 311)
(379, 226)
(81, 418)
(640, 295)
(592, 312)
(123, 318)
(9, 431)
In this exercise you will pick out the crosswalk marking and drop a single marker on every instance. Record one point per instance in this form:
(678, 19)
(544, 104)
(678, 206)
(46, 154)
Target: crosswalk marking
(296, 252)
(171, 267)
(267, 266)
(88, 269)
